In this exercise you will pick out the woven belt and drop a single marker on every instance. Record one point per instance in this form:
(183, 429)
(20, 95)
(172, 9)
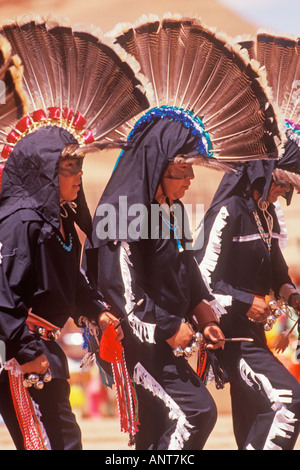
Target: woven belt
(42, 327)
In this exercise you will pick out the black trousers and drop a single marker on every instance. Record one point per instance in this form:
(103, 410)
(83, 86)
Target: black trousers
(265, 395)
(176, 411)
(56, 414)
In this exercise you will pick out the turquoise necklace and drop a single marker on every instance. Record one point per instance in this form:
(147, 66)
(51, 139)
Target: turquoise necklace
(174, 228)
(64, 245)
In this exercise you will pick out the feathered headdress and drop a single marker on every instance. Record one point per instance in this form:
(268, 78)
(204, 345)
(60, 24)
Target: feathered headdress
(73, 79)
(202, 80)
(280, 56)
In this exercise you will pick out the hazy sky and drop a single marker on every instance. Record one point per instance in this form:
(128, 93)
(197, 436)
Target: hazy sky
(279, 15)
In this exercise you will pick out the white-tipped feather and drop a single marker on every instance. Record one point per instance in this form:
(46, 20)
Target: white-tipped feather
(279, 54)
(79, 69)
(193, 67)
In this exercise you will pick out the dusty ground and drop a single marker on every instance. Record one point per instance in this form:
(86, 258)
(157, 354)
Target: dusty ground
(104, 433)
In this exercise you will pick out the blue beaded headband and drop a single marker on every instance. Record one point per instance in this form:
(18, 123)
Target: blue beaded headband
(187, 119)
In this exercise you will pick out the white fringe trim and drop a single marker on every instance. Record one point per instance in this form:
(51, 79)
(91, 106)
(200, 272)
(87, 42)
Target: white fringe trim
(283, 236)
(212, 253)
(283, 419)
(181, 434)
(217, 308)
(144, 331)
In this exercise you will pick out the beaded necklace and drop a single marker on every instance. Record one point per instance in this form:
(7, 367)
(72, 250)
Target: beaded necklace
(64, 245)
(267, 237)
(174, 228)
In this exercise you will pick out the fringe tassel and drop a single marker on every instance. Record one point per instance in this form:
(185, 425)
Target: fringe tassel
(33, 432)
(127, 400)
(112, 351)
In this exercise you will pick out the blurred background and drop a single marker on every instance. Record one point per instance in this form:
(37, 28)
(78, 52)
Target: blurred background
(95, 405)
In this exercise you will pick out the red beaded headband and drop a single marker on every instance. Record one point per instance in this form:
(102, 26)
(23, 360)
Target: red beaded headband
(73, 123)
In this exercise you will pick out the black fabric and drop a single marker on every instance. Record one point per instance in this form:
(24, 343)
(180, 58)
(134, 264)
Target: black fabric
(30, 179)
(259, 174)
(242, 265)
(243, 179)
(36, 272)
(169, 282)
(238, 265)
(254, 408)
(139, 170)
(290, 160)
(185, 389)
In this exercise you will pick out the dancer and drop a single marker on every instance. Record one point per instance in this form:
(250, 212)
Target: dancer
(151, 279)
(242, 263)
(41, 201)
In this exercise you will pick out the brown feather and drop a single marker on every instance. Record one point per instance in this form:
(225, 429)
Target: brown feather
(193, 67)
(78, 70)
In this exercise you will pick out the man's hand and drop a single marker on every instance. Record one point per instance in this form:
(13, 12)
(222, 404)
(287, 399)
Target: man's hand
(213, 334)
(106, 318)
(39, 366)
(258, 311)
(182, 337)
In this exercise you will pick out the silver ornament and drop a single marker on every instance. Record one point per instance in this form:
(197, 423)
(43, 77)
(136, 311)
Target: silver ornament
(47, 377)
(178, 352)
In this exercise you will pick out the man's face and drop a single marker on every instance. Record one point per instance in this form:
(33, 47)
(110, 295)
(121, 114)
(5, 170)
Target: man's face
(69, 175)
(177, 179)
(278, 189)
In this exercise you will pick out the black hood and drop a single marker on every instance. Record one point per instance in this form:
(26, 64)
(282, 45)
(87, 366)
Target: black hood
(30, 179)
(251, 174)
(259, 174)
(140, 168)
